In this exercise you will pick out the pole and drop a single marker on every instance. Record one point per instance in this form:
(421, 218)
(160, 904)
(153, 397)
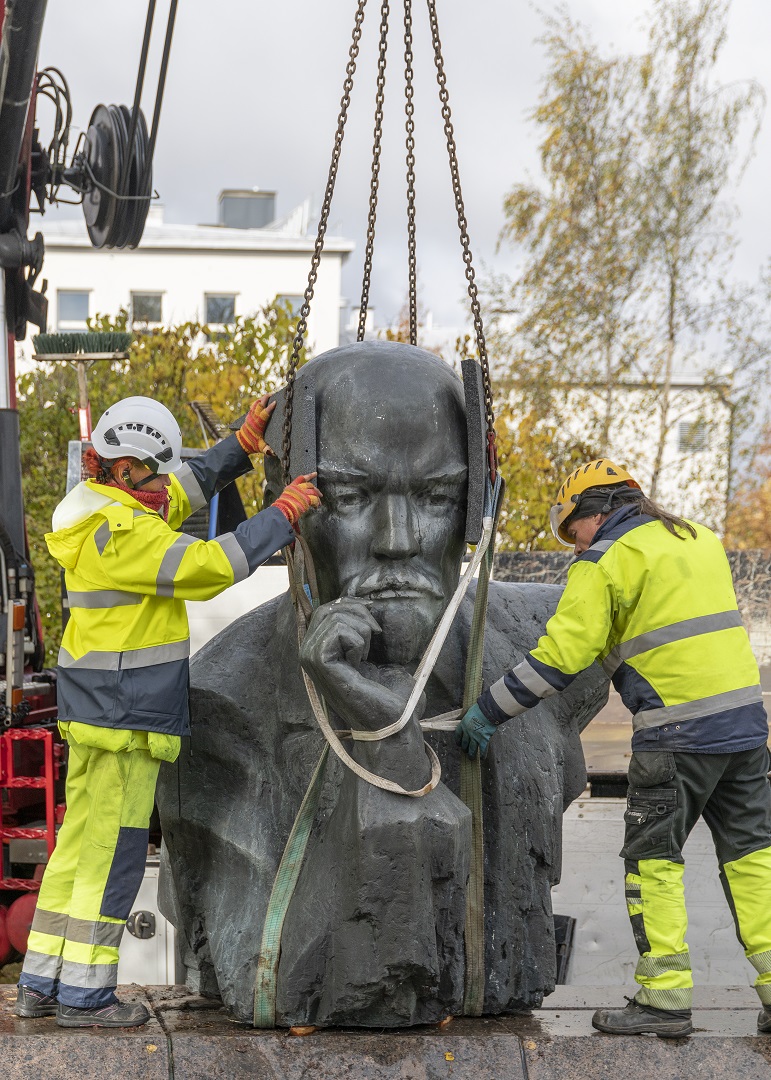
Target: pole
(84, 408)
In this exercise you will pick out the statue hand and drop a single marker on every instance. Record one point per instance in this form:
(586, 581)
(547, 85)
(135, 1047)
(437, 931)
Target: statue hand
(333, 652)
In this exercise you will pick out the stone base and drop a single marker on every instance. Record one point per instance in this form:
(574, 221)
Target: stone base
(191, 1038)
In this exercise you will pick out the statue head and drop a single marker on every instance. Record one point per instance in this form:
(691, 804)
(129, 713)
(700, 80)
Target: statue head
(391, 452)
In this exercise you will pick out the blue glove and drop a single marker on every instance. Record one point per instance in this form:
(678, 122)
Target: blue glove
(474, 731)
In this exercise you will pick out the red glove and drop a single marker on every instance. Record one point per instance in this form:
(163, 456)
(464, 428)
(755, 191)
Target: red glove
(300, 496)
(251, 434)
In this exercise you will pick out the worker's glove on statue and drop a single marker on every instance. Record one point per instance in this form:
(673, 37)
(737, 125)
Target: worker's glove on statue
(251, 434)
(474, 732)
(300, 496)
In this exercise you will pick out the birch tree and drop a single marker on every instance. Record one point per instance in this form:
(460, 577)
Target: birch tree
(627, 242)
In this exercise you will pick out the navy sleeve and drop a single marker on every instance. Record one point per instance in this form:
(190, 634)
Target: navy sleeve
(203, 476)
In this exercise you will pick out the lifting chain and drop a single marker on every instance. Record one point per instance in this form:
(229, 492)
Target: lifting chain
(374, 183)
(302, 325)
(345, 102)
(409, 109)
(476, 311)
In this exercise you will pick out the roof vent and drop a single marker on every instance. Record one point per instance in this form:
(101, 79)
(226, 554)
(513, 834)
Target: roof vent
(246, 208)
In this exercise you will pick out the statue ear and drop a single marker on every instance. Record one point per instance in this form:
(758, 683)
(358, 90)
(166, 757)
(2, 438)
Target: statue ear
(476, 428)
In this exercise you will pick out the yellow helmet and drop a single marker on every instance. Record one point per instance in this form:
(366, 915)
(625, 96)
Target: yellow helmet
(597, 474)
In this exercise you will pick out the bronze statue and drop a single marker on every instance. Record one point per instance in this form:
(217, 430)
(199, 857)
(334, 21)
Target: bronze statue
(374, 933)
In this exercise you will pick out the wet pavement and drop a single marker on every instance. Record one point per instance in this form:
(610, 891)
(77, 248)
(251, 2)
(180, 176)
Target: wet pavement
(192, 1038)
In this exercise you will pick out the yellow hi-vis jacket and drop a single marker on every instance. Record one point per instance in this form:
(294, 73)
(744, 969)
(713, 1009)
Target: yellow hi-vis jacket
(660, 614)
(124, 656)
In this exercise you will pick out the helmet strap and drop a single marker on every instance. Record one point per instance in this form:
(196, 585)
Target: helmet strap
(145, 480)
(152, 500)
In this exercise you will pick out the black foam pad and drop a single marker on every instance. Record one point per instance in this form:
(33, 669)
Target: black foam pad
(476, 427)
(302, 455)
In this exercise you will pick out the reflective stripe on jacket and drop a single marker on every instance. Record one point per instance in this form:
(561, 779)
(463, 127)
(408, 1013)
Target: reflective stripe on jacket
(124, 656)
(660, 613)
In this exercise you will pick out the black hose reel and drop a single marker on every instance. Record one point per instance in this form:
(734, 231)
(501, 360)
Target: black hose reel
(112, 165)
(114, 172)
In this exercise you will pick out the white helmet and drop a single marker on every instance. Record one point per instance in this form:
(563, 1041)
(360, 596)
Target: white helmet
(141, 428)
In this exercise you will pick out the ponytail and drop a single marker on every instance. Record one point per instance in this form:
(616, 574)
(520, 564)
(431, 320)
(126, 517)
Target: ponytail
(669, 521)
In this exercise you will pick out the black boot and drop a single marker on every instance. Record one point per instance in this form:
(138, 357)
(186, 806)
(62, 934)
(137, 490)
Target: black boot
(32, 1003)
(764, 1020)
(118, 1014)
(644, 1020)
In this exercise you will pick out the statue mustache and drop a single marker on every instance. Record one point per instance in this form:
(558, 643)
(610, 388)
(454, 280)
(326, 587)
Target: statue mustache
(376, 585)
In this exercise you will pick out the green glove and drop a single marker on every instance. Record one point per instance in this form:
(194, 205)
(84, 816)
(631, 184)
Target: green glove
(474, 732)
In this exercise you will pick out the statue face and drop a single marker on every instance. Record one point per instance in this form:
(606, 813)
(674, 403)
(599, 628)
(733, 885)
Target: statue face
(392, 469)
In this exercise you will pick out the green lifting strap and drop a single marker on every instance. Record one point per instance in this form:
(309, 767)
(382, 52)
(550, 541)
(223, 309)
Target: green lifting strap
(471, 793)
(280, 897)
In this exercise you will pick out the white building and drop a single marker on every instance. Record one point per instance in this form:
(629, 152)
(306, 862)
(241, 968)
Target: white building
(694, 469)
(694, 474)
(205, 273)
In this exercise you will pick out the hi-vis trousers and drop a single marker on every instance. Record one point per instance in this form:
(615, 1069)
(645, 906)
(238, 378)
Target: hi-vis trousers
(94, 874)
(667, 795)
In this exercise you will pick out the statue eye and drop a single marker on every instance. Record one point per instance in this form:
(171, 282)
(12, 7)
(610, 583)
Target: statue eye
(439, 500)
(349, 498)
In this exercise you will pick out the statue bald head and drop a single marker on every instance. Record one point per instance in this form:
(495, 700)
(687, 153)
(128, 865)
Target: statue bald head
(392, 464)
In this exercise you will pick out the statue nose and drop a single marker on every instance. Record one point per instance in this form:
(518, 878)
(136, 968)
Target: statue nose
(395, 534)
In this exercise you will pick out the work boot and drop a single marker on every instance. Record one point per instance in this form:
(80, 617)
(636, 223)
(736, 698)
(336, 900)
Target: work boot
(764, 1020)
(32, 1003)
(119, 1014)
(638, 1019)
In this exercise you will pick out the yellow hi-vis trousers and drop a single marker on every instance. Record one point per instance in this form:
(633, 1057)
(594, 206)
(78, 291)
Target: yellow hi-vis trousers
(667, 794)
(94, 874)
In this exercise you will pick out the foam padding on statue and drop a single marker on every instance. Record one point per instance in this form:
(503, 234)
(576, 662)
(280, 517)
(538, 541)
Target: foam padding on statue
(374, 933)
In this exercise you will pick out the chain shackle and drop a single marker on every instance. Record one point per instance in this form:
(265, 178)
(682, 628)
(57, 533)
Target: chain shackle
(449, 132)
(302, 325)
(369, 247)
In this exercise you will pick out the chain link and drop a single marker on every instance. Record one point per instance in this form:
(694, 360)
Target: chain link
(375, 174)
(409, 109)
(476, 311)
(302, 325)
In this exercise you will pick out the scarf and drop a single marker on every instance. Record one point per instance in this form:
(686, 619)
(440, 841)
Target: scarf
(97, 470)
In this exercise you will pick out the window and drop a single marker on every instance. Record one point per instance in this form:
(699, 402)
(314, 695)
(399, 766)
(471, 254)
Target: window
(146, 308)
(220, 309)
(294, 303)
(72, 310)
(692, 436)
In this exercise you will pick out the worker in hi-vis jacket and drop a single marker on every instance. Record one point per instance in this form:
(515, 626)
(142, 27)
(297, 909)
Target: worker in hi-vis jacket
(123, 678)
(651, 597)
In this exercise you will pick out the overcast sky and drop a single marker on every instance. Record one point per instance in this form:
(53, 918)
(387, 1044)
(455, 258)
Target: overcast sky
(253, 93)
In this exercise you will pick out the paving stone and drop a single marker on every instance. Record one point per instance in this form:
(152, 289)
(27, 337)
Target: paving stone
(612, 1057)
(328, 1056)
(35, 1049)
(550, 1044)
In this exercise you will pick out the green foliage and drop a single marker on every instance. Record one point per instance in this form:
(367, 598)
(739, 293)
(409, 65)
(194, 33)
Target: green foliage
(534, 459)
(176, 366)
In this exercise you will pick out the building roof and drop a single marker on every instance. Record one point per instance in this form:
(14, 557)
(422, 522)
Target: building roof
(159, 235)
